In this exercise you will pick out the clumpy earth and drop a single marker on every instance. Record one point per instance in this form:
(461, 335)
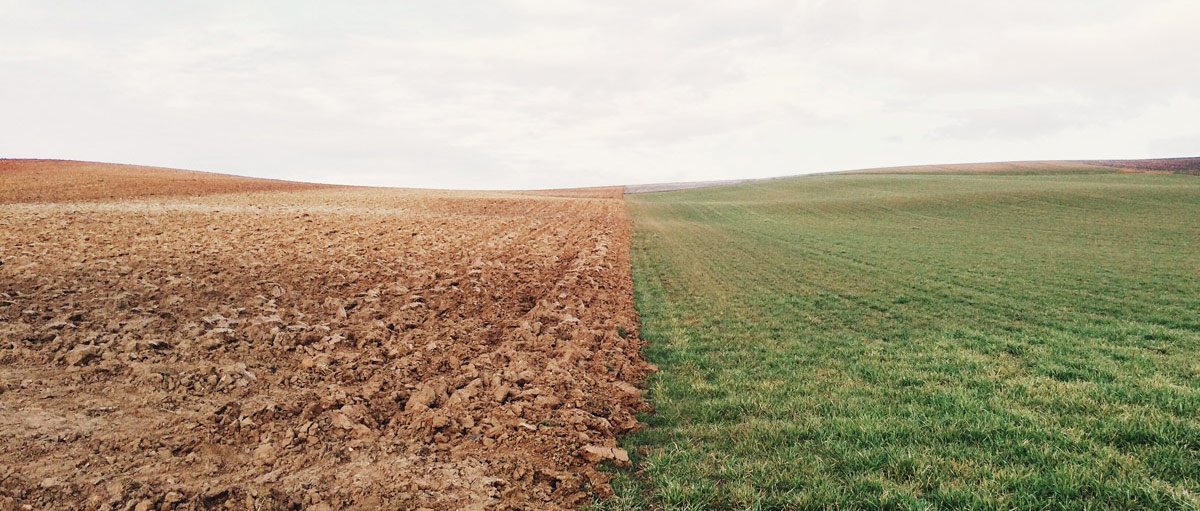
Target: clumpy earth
(212, 342)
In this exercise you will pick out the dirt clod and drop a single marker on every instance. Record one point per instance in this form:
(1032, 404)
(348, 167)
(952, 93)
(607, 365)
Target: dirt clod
(596, 453)
(81, 355)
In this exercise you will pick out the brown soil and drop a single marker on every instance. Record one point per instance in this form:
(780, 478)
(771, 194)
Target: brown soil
(61, 180)
(1176, 165)
(329, 348)
(600, 192)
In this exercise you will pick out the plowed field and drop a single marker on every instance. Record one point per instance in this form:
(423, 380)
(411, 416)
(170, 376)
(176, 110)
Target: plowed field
(62, 180)
(289, 346)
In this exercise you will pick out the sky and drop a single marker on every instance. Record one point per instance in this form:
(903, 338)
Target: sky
(515, 94)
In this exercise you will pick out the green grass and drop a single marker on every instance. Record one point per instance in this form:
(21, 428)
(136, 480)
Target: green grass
(920, 342)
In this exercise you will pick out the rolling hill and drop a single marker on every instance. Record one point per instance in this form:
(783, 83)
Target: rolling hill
(1004, 336)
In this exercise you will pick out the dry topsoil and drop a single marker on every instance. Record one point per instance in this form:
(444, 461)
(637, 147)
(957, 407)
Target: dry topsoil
(313, 348)
(1176, 165)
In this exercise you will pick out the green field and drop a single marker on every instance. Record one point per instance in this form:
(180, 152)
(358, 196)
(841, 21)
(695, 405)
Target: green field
(920, 342)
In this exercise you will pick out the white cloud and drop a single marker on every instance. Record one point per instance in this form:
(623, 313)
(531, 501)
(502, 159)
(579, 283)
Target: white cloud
(536, 94)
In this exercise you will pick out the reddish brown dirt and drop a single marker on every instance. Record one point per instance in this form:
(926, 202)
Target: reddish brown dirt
(336, 348)
(61, 180)
(601, 192)
(1176, 165)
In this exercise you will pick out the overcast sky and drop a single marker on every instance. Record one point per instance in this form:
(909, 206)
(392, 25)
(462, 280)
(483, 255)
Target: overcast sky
(523, 93)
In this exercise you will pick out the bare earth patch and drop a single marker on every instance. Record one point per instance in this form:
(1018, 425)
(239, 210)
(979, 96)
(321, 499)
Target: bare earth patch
(320, 348)
(1175, 165)
(62, 180)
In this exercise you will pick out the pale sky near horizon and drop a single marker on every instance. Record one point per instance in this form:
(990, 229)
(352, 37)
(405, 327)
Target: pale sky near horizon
(539, 94)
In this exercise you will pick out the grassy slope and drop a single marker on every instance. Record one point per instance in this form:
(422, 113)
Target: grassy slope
(913, 341)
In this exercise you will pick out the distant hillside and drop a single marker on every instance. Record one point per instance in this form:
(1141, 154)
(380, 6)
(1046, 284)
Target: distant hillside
(596, 192)
(1176, 165)
(1015, 167)
(668, 187)
(69, 181)
(1009, 167)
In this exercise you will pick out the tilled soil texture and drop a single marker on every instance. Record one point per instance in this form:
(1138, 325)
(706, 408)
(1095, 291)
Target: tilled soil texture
(318, 349)
(62, 180)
